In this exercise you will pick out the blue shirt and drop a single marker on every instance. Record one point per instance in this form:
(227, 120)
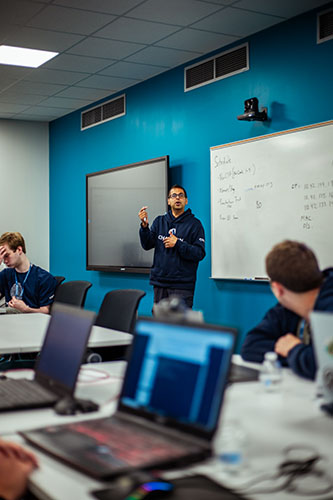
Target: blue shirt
(279, 321)
(38, 289)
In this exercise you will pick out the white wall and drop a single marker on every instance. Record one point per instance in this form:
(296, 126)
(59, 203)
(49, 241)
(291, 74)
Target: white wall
(24, 185)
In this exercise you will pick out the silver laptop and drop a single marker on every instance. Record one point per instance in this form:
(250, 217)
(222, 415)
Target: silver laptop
(168, 409)
(322, 336)
(58, 364)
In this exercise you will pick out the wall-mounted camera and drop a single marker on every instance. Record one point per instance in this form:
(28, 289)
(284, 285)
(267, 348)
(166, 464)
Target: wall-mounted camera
(251, 111)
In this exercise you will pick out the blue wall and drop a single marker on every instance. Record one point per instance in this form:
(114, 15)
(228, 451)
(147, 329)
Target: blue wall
(289, 73)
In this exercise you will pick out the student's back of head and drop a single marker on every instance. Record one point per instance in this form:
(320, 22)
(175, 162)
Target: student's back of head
(294, 265)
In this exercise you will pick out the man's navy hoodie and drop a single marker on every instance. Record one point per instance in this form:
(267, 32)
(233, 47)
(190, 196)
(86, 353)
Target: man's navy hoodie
(175, 267)
(279, 321)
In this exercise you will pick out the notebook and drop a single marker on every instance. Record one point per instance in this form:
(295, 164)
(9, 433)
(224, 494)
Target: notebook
(322, 336)
(168, 409)
(58, 364)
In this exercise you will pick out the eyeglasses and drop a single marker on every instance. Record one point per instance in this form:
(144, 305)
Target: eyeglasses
(177, 195)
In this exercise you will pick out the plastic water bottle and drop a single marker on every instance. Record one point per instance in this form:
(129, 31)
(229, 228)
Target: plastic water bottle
(271, 372)
(232, 446)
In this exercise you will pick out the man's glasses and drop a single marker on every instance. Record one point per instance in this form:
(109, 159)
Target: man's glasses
(177, 195)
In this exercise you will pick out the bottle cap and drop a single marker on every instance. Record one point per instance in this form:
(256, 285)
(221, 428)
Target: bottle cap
(271, 356)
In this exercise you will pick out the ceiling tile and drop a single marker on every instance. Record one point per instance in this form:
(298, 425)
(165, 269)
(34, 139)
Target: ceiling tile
(25, 116)
(44, 89)
(132, 70)
(69, 62)
(6, 83)
(117, 7)
(135, 30)
(12, 108)
(106, 82)
(16, 97)
(18, 11)
(170, 57)
(82, 93)
(44, 110)
(201, 41)
(221, 2)
(62, 102)
(112, 49)
(236, 22)
(70, 20)
(53, 76)
(42, 39)
(173, 11)
(283, 8)
(14, 72)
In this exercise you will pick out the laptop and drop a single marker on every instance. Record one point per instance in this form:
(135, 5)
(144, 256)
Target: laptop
(240, 373)
(322, 336)
(58, 364)
(168, 409)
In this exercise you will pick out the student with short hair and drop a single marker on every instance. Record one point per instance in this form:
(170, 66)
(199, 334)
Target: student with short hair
(28, 288)
(300, 287)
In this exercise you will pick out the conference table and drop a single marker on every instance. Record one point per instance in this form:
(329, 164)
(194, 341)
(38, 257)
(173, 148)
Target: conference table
(273, 426)
(21, 333)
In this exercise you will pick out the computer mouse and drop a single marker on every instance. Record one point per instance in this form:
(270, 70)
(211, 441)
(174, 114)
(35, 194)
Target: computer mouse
(152, 490)
(65, 406)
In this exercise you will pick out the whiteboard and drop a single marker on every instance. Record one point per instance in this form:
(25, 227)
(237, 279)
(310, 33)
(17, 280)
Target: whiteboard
(267, 189)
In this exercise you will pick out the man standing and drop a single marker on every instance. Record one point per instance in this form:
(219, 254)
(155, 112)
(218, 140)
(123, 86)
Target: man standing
(179, 242)
(300, 287)
(27, 288)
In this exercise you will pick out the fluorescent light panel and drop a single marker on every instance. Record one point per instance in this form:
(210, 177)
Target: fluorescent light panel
(18, 56)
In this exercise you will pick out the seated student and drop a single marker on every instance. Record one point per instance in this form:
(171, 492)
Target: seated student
(16, 464)
(27, 288)
(300, 287)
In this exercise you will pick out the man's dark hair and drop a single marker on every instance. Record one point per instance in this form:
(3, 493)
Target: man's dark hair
(177, 186)
(294, 265)
(13, 240)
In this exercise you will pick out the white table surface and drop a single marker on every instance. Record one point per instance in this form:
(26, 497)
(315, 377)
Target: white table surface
(270, 422)
(25, 333)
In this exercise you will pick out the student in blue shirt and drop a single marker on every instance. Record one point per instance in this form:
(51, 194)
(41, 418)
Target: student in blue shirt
(179, 242)
(300, 287)
(27, 288)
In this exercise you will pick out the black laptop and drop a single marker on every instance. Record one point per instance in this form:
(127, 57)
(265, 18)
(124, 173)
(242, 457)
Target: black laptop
(58, 364)
(168, 410)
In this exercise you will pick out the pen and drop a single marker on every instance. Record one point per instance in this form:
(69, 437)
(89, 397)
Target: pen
(263, 278)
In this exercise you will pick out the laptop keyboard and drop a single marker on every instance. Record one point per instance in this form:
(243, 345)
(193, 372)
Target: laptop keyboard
(19, 394)
(129, 443)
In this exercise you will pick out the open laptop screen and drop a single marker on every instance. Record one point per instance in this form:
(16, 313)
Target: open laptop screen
(64, 347)
(179, 372)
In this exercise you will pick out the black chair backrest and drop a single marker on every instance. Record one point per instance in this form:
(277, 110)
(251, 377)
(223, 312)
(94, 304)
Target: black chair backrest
(118, 310)
(72, 292)
(59, 279)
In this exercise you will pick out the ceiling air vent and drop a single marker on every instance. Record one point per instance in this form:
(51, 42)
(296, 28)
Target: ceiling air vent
(103, 113)
(325, 26)
(226, 64)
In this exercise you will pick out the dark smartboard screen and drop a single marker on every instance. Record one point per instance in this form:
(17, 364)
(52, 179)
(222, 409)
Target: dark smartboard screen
(114, 198)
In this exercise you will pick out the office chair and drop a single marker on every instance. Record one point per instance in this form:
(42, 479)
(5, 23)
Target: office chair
(59, 279)
(72, 292)
(118, 312)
